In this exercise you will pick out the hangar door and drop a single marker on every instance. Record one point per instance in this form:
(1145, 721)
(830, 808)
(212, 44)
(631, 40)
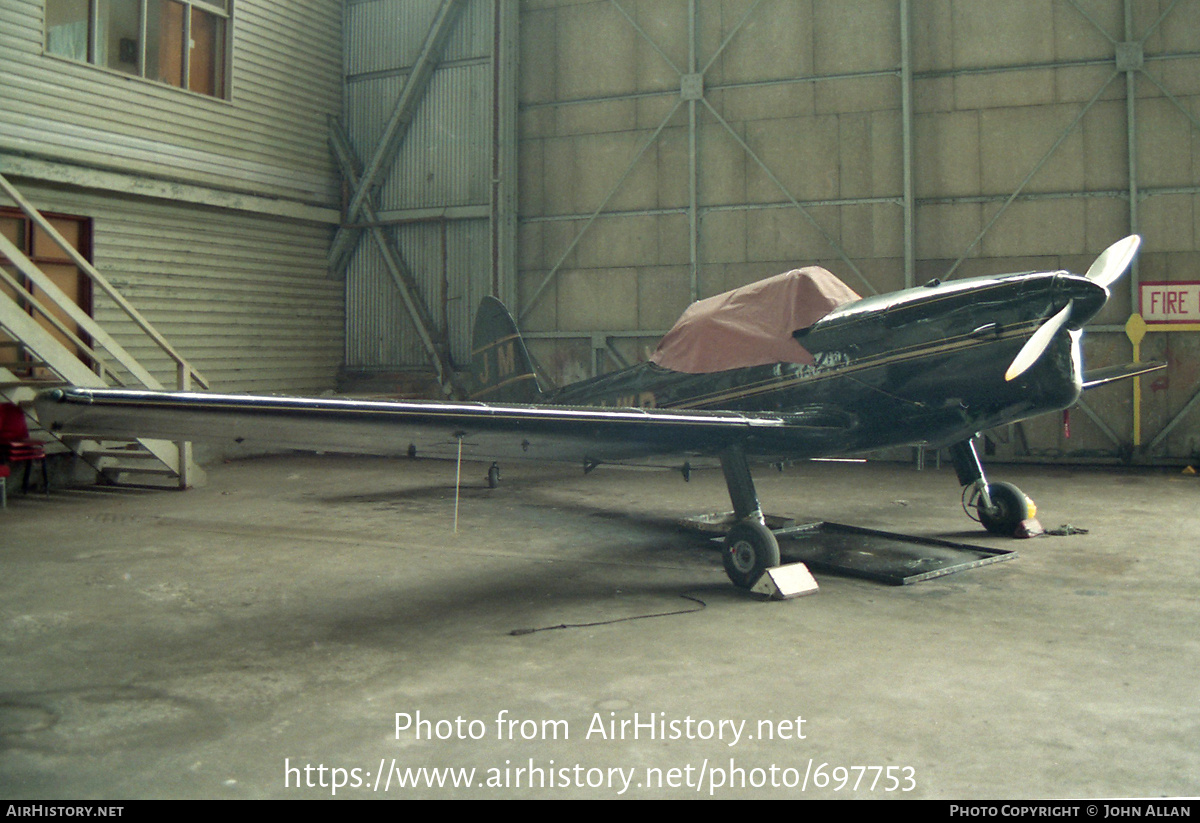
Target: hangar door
(428, 158)
(671, 151)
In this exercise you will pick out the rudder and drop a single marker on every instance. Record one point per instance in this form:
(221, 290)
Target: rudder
(501, 368)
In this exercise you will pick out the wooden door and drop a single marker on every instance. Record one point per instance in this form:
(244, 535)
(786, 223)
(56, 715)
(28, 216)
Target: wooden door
(56, 264)
(13, 229)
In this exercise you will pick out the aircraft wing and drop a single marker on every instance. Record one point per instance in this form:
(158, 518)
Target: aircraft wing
(1098, 377)
(434, 428)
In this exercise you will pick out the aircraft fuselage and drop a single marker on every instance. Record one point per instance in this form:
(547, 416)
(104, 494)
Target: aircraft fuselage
(921, 365)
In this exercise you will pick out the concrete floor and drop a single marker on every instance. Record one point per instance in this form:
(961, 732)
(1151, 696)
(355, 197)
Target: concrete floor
(214, 643)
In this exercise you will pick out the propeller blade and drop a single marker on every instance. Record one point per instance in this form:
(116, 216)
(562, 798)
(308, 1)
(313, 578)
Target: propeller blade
(1113, 261)
(1037, 344)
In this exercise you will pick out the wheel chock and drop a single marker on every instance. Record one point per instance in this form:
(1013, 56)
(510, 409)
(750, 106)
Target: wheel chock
(785, 582)
(1029, 528)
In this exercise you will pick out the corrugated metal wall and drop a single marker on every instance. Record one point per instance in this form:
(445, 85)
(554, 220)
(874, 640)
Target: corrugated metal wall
(445, 162)
(268, 138)
(246, 299)
(452, 260)
(240, 285)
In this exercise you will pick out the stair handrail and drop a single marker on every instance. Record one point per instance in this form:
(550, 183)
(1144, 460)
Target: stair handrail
(80, 345)
(88, 323)
(185, 373)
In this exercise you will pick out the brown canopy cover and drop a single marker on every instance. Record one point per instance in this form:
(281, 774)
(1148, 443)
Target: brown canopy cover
(753, 325)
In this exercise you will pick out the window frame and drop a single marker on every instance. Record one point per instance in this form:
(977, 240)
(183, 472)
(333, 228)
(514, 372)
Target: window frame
(221, 52)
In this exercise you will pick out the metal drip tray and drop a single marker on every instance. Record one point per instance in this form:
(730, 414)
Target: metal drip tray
(895, 559)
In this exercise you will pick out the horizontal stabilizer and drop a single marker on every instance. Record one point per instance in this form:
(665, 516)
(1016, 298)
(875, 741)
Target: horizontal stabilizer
(1098, 377)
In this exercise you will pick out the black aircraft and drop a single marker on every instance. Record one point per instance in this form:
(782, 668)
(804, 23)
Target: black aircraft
(793, 367)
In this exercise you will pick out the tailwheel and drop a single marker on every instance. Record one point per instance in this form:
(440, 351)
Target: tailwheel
(750, 549)
(1010, 507)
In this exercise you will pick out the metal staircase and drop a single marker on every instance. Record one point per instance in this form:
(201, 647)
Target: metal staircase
(48, 340)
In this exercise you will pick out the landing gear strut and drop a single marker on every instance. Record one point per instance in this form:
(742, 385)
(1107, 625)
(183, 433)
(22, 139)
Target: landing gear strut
(1001, 507)
(750, 548)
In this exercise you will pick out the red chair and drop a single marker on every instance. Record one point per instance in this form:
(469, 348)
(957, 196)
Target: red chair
(17, 447)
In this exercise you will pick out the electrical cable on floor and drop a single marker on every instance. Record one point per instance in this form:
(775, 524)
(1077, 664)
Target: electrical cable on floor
(703, 606)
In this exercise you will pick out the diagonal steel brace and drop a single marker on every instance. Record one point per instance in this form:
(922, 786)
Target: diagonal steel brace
(435, 345)
(373, 176)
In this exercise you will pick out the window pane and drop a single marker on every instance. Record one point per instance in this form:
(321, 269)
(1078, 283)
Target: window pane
(118, 34)
(206, 67)
(67, 28)
(164, 41)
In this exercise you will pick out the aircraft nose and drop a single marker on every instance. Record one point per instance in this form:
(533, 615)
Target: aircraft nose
(1087, 297)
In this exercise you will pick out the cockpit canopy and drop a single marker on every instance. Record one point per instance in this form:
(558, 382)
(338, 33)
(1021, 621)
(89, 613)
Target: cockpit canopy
(752, 325)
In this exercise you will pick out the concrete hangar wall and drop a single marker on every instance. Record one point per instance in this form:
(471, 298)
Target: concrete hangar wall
(672, 150)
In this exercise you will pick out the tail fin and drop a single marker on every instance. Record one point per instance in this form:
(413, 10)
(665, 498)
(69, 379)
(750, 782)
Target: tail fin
(500, 364)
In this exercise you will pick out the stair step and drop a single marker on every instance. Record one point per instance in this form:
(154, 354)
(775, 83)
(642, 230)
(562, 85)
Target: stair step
(131, 454)
(76, 436)
(161, 471)
(92, 443)
(33, 382)
(33, 358)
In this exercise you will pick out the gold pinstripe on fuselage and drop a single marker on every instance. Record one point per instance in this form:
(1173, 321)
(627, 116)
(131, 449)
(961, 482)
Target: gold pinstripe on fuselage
(782, 383)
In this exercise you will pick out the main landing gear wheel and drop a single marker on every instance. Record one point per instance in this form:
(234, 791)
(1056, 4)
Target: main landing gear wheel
(493, 476)
(1010, 507)
(750, 549)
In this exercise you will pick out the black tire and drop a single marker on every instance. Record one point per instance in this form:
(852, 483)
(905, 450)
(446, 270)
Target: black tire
(750, 549)
(493, 476)
(1010, 507)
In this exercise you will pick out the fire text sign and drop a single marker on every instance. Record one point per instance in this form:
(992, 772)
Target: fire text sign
(1170, 302)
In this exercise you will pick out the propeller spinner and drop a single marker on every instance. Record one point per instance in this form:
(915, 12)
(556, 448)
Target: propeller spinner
(1105, 271)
